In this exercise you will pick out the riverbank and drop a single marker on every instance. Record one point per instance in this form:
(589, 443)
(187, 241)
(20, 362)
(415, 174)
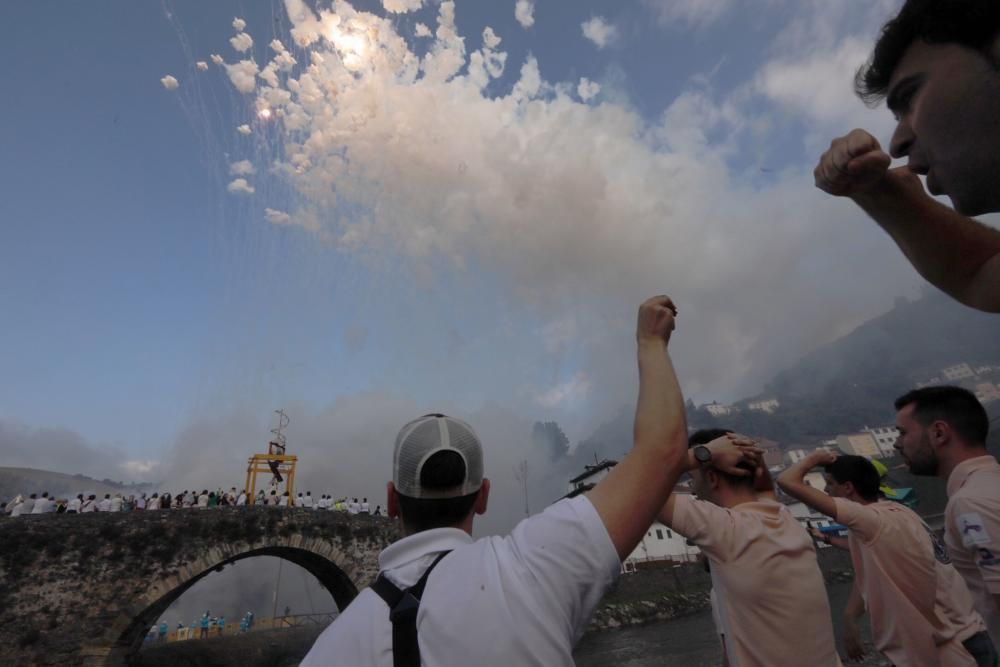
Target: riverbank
(672, 591)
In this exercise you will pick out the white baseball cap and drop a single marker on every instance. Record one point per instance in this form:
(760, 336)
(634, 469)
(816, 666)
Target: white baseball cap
(421, 439)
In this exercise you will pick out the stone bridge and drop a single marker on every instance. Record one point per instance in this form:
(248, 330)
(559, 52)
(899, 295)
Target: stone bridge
(83, 589)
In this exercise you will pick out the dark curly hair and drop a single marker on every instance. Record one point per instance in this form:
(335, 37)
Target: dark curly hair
(971, 23)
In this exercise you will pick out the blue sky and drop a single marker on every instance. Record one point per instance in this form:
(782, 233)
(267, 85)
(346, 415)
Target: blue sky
(484, 251)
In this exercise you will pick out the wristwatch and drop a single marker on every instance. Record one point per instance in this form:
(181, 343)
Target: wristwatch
(702, 454)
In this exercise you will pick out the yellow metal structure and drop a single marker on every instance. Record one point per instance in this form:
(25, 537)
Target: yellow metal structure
(279, 465)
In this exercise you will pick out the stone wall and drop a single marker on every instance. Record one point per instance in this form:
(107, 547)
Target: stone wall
(82, 589)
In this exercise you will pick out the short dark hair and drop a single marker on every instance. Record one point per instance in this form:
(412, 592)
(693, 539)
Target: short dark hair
(443, 470)
(957, 406)
(707, 435)
(857, 470)
(971, 23)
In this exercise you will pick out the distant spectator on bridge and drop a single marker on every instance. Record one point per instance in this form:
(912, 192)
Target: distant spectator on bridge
(43, 505)
(221, 625)
(273, 499)
(524, 599)
(28, 504)
(261, 498)
(203, 500)
(140, 502)
(365, 508)
(75, 504)
(378, 510)
(205, 621)
(163, 631)
(285, 500)
(300, 500)
(165, 503)
(213, 500)
(241, 500)
(115, 503)
(105, 504)
(353, 507)
(89, 505)
(308, 500)
(249, 618)
(153, 502)
(17, 505)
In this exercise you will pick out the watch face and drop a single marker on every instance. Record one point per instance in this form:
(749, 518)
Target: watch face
(702, 454)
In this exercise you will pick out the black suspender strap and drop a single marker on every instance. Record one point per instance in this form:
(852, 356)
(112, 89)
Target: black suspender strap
(403, 607)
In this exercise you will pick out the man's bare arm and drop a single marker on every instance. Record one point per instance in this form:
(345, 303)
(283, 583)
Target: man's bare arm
(629, 498)
(792, 481)
(957, 254)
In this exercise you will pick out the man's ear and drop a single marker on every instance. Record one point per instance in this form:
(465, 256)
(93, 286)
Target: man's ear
(713, 478)
(483, 497)
(392, 501)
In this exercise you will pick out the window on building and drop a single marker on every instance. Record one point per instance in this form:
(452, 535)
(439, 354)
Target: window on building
(659, 534)
(670, 535)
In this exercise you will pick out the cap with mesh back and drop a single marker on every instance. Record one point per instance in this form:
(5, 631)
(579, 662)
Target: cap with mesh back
(426, 436)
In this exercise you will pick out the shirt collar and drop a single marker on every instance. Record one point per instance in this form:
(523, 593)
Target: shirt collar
(421, 544)
(964, 470)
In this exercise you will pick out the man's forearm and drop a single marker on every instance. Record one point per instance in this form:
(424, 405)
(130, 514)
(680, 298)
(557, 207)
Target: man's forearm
(660, 423)
(950, 250)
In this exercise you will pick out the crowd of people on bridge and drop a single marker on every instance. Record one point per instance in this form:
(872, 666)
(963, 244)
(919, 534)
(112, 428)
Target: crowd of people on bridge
(44, 503)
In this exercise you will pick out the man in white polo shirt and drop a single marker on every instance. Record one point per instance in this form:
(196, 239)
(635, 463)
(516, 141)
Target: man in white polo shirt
(921, 612)
(942, 431)
(775, 609)
(524, 599)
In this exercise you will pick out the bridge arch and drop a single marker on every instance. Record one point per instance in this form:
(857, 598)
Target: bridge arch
(84, 589)
(126, 638)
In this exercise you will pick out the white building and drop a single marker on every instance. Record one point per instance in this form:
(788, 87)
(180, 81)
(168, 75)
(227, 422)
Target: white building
(660, 543)
(861, 444)
(885, 438)
(718, 409)
(958, 372)
(796, 455)
(987, 392)
(768, 405)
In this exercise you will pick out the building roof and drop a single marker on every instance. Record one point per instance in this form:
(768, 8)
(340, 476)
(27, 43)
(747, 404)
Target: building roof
(590, 470)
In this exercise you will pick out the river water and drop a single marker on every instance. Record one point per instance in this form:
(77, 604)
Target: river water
(689, 641)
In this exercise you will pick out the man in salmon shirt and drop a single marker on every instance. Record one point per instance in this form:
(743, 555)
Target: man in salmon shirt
(920, 609)
(942, 432)
(774, 609)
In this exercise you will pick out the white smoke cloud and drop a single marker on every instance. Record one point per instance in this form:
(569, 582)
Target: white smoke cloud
(239, 24)
(241, 42)
(684, 13)
(573, 390)
(216, 58)
(599, 31)
(524, 12)
(169, 82)
(587, 89)
(244, 129)
(242, 168)
(276, 217)
(571, 203)
(240, 186)
(201, 65)
(421, 30)
(243, 75)
(402, 6)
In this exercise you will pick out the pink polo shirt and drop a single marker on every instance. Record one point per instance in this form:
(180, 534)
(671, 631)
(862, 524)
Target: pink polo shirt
(972, 533)
(919, 607)
(775, 610)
